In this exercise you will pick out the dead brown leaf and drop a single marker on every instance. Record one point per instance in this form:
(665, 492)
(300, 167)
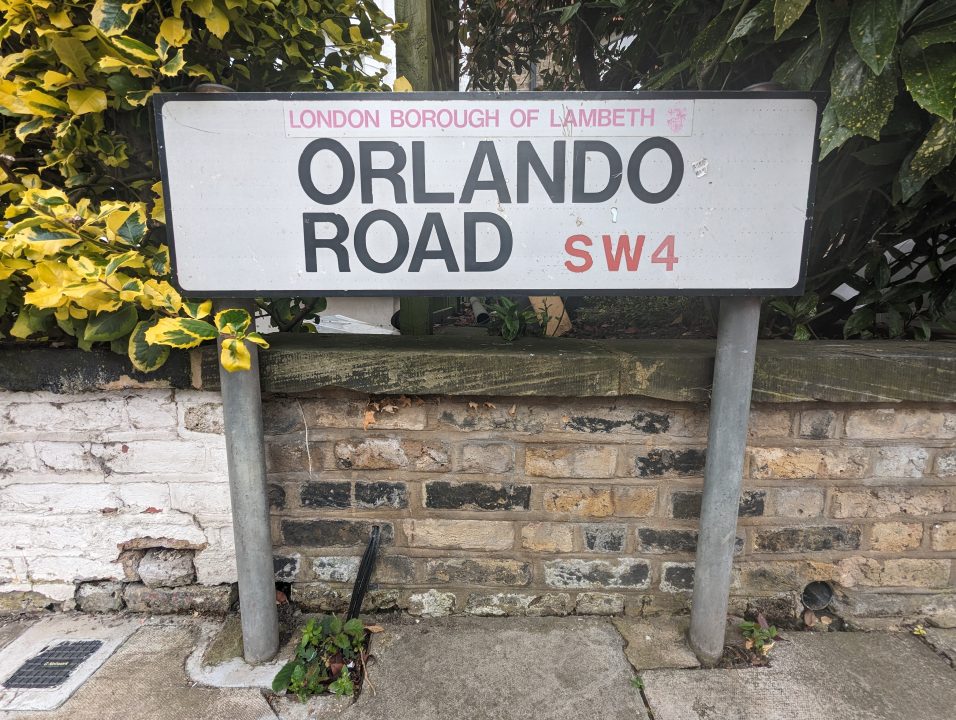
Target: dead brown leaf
(375, 628)
(472, 406)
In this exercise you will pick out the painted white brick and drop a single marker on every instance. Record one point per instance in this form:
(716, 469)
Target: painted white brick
(69, 413)
(59, 498)
(73, 568)
(68, 457)
(152, 409)
(217, 563)
(152, 456)
(139, 496)
(205, 498)
(17, 457)
(58, 592)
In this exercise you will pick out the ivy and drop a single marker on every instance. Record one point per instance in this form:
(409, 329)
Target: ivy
(83, 258)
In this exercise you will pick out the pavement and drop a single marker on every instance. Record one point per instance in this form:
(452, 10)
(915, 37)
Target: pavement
(185, 668)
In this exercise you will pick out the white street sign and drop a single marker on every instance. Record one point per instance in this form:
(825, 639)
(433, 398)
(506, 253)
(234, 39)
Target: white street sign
(533, 193)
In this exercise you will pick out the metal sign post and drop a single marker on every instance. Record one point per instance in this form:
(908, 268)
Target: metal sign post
(627, 193)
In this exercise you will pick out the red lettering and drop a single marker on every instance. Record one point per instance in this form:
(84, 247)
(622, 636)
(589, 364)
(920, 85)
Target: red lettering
(632, 257)
(665, 254)
(582, 255)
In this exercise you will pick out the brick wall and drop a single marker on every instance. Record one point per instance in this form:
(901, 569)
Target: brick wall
(489, 505)
(496, 505)
(91, 482)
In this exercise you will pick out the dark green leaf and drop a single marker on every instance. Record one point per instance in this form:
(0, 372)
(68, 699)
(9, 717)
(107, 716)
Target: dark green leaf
(105, 326)
(569, 12)
(862, 101)
(935, 11)
(786, 13)
(937, 150)
(282, 679)
(758, 18)
(874, 26)
(832, 134)
(940, 34)
(930, 76)
(861, 321)
(921, 329)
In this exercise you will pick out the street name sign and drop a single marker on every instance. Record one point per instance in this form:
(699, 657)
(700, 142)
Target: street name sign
(517, 193)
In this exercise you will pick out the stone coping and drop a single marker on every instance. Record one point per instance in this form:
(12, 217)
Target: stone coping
(674, 370)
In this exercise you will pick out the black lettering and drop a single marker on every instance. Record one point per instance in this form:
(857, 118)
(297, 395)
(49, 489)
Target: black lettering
(505, 242)
(634, 170)
(581, 150)
(361, 241)
(305, 171)
(433, 221)
(485, 152)
(419, 192)
(552, 184)
(335, 244)
(391, 173)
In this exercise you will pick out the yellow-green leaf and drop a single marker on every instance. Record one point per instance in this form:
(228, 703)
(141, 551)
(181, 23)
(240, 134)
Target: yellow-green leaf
(43, 104)
(198, 310)
(87, 100)
(174, 31)
(402, 84)
(145, 357)
(256, 338)
(113, 16)
(180, 332)
(217, 22)
(232, 321)
(174, 65)
(61, 19)
(72, 53)
(786, 13)
(235, 355)
(135, 49)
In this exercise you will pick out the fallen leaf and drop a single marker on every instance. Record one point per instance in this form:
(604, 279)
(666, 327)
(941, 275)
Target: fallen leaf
(473, 406)
(809, 618)
(389, 408)
(491, 406)
(826, 620)
(375, 628)
(404, 401)
(281, 599)
(152, 510)
(369, 419)
(513, 411)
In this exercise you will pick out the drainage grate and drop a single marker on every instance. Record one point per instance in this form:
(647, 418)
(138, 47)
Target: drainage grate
(52, 666)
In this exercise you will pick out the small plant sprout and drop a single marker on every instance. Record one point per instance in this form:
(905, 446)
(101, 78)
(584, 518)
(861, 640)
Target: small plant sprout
(328, 657)
(637, 682)
(919, 631)
(758, 636)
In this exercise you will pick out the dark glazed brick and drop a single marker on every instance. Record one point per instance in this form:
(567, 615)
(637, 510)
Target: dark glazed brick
(670, 462)
(477, 496)
(678, 577)
(333, 533)
(463, 571)
(646, 422)
(751, 503)
(674, 541)
(394, 570)
(326, 495)
(685, 505)
(808, 539)
(604, 538)
(381, 494)
(276, 496)
(597, 573)
(286, 568)
(667, 541)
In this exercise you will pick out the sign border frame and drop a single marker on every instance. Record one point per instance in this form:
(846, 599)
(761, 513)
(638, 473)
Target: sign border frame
(161, 99)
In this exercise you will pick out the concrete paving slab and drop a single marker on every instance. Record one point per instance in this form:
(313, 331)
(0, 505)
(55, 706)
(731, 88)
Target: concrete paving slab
(659, 642)
(111, 632)
(843, 676)
(944, 642)
(145, 680)
(217, 660)
(12, 629)
(499, 669)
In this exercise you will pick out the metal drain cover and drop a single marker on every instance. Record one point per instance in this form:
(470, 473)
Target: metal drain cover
(52, 666)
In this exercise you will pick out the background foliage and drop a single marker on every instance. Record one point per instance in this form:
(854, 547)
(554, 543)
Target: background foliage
(82, 255)
(885, 216)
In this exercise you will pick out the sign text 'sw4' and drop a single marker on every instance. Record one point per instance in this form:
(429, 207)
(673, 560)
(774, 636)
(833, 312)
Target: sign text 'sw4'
(543, 193)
